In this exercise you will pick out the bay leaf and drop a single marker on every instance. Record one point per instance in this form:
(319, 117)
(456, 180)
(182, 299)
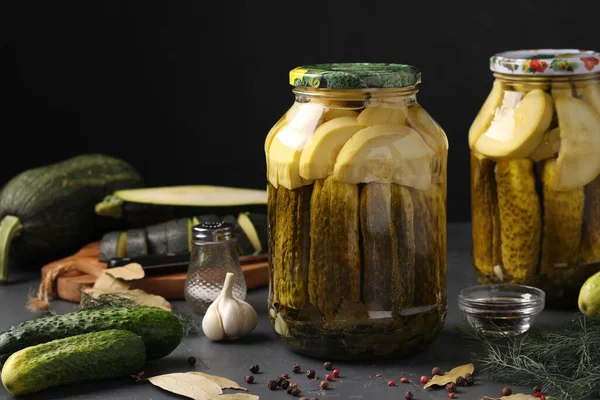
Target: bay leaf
(105, 281)
(239, 396)
(450, 376)
(518, 396)
(138, 296)
(129, 272)
(189, 385)
(224, 383)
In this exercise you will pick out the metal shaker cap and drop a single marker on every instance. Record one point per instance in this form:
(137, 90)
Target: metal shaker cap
(212, 232)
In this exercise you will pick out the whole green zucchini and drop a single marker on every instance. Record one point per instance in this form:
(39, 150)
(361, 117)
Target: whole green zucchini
(143, 207)
(160, 330)
(81, 358)
(48, 212)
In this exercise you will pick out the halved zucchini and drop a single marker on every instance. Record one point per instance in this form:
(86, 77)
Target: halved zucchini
(142, 207)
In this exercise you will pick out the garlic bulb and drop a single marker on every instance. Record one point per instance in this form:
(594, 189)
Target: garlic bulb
(228, 317)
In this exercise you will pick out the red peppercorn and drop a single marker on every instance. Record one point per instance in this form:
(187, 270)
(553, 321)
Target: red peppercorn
(404, 379)
(328, 377)
(539, 394)
(392, 383)
(424, 379)
(285, 376)
(379, 375)
(324, 385)
(451, 395)
(336, 373)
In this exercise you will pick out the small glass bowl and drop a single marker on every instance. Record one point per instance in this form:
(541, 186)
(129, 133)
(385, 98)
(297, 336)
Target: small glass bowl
(501, 310)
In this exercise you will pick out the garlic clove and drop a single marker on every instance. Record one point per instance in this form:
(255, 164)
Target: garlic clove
(212, 325)
(229, 317)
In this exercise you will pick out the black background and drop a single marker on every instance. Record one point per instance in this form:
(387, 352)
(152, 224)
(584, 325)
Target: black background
(187, 90)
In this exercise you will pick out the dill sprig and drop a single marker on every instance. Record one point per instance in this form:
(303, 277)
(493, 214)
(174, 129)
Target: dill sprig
(564, 361)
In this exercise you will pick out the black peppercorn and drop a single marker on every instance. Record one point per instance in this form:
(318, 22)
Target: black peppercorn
(324, 385)
(284, 384)
(460, 381)
(249, 379)
(328, 366)
(435, 371)
(408, 396)
(506, 391)
(272, 385)
(451, 387)
(284, 375)
(537, 389)
(469, 379)
(192, 361)
(295, 368)
(295, 391)
(254, 369)
(279, 380)
(310, 373)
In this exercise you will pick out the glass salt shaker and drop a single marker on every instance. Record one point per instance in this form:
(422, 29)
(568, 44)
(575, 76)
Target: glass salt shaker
(214, 254)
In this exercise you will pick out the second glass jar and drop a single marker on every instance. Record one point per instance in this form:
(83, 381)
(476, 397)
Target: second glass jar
(535, 173)
(357, 214)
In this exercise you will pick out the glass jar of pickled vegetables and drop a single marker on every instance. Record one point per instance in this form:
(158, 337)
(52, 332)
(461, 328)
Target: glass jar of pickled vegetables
(356, 214)
(535, 165)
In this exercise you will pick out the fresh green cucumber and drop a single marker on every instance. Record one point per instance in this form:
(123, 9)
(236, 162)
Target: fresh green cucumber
(48, 212)
(160, 330)
(143, 207)
(255, 227)
(81, 358)
(136, 243)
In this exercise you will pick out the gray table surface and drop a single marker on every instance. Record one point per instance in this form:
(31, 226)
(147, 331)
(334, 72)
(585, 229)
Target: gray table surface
(358, 379)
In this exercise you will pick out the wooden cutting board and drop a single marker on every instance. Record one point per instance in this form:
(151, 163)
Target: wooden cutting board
(69, 286)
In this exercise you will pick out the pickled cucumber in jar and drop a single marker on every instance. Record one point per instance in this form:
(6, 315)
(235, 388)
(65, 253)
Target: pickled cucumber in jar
(535, 172)
(357, 214)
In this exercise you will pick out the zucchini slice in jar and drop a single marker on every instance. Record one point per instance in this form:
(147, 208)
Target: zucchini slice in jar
(563, 221)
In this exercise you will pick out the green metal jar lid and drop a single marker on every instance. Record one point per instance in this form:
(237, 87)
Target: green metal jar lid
(546, 62)
(355, 76)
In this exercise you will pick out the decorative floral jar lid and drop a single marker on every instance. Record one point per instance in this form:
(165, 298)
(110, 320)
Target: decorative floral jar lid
(355, 76)
(546, 62)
